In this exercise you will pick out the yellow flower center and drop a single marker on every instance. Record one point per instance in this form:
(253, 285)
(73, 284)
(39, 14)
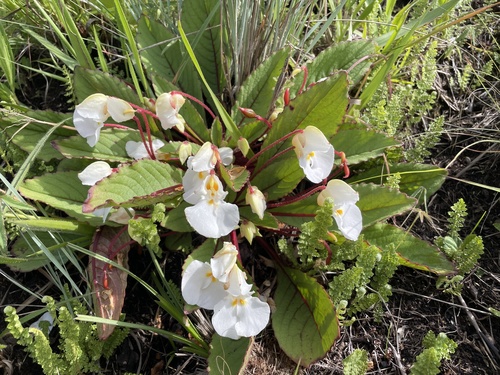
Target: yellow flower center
(238, 301)
(310, 155)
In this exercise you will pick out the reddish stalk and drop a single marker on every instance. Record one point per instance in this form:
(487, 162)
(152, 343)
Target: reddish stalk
(270, 161)
(268, 147)
(303, 195)
(304, 81)
(190, 97)
(141, 132)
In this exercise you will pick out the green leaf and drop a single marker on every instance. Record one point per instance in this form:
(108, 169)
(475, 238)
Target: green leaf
(111, 145)
(297, 213)
(163, 57)
(280, 177)
(304, 322)
(25, 130)
(176, 219)
(232, 131)
(63, 191)
(324, 106)
(203, 253)
(341, 56)
(88, 82)
(419, 180)
(205, 39)
(55, 225)
(26, 254)
(142, 183)
(257, 91)
(378, 202)
(229, 356)
(268, 221)
(368, 144)
(412, 251)
(235, 178)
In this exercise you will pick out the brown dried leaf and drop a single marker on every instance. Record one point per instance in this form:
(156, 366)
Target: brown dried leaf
(108, 282)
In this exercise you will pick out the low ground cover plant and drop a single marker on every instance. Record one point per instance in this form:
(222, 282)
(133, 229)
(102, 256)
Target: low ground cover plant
(277, 190)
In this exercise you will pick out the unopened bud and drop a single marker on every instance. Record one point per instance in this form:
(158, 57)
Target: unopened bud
(243, 146)
(275, 114)
(248, 112)
(184, 151)
(249, 230)
(256, 200)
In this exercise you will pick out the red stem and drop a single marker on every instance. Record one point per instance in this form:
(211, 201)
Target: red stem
(306, 74)
(195, 100)
(299, 197)
(268, 147)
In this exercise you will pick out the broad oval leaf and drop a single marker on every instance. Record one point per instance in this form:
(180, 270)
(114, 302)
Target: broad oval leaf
(205, 39)
(25, 130)
(361, 144)
(304, 322)
(341, 56)
(142, 183)
(229, 356)
(323, 105)
(412, 251)
(88, 82)
(419, 180)
(379, 202)
(257, 91)
(62, 190)
(111, 145)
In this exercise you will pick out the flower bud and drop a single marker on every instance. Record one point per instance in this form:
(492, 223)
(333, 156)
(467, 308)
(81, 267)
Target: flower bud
(256, 200)
(249, 230)
(248, 112)
(185, 150)
(243, 146)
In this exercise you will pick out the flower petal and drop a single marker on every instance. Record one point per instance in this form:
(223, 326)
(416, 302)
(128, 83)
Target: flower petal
(213, 220)
(224, 261)
(94, 173)
(137, 150)
(236, 283)
(225, 319)
(253, 317)
(204, 160)
(119, 109)
(340, 192)
(167, 109)
(349, 220)
(193, 183)
(199, 287)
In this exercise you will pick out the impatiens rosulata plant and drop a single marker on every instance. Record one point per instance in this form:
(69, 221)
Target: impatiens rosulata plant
(293, 181)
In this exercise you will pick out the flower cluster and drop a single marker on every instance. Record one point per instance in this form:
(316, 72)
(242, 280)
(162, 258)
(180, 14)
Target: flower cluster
(210, 216)
(221, 286)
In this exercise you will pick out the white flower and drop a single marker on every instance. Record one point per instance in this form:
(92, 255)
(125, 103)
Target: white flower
(94, 173)
(206, 157)
(193, 183)
(223, 261)
(256, 200)
(345, 212)
(199, 286)
(210, 216)
(240, 316)
(236, 283)
(137, 150)
(167, 110)
(89, 115)
(315, 153)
